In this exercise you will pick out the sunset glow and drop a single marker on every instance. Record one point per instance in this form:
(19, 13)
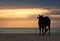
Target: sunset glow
(20, 18)
(23, 18)
(16, 13)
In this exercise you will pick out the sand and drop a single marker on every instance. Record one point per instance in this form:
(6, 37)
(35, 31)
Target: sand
(28, 37)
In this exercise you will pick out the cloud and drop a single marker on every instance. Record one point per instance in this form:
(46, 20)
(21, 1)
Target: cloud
(52, 5)
(53, 11)
(29, 3)
(55, 17)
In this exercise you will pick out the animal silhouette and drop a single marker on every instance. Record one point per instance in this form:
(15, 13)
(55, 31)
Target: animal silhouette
(43, 23)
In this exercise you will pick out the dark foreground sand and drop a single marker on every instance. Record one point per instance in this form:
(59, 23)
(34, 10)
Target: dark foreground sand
(28, 37)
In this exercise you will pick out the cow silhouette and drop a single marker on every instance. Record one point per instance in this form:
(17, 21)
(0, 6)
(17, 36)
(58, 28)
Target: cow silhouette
(44, 24)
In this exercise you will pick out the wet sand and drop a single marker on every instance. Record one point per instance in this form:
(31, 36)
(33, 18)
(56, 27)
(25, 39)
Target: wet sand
(29, 37)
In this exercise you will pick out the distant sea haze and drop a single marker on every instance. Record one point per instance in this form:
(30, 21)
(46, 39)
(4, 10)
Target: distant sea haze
(26, 30)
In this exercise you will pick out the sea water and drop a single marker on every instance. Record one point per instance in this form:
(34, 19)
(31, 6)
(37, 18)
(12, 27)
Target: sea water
(26, 30)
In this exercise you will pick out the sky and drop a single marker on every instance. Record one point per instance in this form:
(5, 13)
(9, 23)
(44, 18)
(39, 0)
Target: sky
(24, 13)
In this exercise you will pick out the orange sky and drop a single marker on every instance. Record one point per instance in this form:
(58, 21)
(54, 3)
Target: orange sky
(20, 18)
(23, 13)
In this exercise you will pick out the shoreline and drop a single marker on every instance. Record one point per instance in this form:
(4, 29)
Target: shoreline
(26, 30)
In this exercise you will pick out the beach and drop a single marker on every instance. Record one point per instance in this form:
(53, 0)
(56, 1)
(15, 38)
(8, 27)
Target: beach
(29, 37)
(28, 34)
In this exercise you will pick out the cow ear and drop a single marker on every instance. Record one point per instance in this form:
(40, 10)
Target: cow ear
(39, 15)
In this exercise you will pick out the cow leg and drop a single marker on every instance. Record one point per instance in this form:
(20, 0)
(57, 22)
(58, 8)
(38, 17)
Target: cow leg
(42, 29)
(39, 30)
(49, 29)
(45, 30)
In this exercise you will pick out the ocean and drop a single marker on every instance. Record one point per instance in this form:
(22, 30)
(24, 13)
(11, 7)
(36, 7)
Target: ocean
(26, 30)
